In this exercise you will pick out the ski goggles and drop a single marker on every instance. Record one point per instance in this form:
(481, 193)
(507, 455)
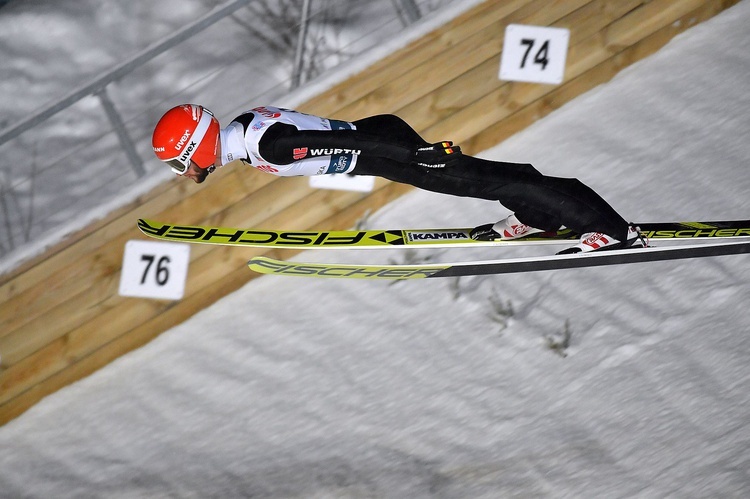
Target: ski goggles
(181, 163)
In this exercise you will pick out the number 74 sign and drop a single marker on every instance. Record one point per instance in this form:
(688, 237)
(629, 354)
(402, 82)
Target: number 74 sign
(534, 54)
(154, 269)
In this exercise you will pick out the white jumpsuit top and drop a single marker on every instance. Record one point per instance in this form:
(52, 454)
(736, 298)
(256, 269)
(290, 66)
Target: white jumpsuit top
(242, 142)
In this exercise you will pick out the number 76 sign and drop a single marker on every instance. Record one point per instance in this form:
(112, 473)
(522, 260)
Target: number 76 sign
(154, 269)
(534, 54)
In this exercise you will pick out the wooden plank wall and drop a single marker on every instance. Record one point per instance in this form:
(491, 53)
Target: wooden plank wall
(61, 317)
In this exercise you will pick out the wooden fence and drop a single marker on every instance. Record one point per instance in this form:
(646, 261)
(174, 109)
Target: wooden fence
(62, 318)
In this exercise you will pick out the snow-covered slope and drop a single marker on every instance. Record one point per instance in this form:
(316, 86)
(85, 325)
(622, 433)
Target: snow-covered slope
(448, 388)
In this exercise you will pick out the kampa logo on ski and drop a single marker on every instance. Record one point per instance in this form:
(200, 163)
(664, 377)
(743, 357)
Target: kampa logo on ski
(429, 236)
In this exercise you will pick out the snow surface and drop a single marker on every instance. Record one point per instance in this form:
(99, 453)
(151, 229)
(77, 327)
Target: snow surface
(448, 388)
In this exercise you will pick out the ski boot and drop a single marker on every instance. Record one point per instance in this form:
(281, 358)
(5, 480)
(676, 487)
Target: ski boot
(506, 229)
(597, 241)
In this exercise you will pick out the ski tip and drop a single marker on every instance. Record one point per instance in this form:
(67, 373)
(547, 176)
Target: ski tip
(150, 228)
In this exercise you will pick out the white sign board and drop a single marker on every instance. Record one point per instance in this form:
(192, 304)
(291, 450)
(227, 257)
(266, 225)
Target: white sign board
(343, 182)
(534, 54)
(154, 269)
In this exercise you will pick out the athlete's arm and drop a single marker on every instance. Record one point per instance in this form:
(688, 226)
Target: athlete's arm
(283, 144)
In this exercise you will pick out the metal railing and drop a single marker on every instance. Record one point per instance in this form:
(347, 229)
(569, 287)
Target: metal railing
(95, 146)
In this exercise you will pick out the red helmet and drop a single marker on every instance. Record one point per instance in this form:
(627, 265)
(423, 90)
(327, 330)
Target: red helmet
(185, 133)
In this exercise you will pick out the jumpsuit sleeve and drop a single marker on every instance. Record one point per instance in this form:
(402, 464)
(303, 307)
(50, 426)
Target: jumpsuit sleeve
(282, 144)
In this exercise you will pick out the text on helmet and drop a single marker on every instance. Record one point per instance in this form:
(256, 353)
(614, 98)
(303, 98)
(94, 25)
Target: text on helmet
(183, 139)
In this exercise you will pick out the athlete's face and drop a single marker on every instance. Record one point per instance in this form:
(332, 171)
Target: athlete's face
(196, 173)
(199, 174)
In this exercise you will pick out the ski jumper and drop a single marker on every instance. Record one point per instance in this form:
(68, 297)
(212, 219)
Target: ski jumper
(284, 142)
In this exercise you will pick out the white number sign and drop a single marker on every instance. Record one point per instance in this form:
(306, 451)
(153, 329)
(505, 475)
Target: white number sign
(534, 54)
(153, 269)
(343, 182)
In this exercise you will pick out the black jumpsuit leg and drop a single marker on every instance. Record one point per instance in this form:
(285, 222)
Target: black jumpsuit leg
(538, 200)
(392, 129)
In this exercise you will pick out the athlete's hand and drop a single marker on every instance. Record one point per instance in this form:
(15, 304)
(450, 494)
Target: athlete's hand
(438, 155)
(484, 232)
